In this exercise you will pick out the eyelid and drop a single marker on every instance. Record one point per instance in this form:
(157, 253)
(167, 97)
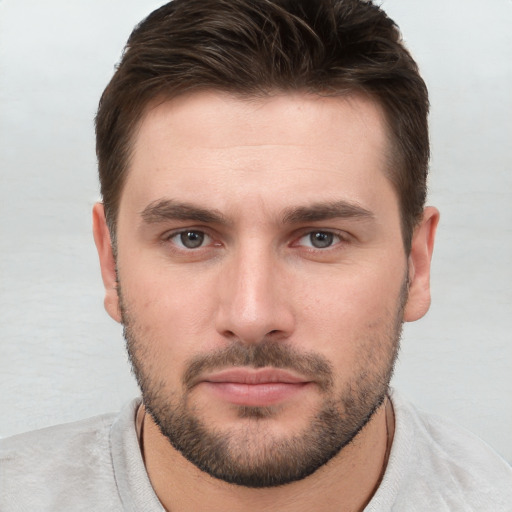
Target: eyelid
(168, 234)
(343, 237)
(168, 237)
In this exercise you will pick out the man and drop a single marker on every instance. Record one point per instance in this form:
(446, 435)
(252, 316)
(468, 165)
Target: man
(262, 238)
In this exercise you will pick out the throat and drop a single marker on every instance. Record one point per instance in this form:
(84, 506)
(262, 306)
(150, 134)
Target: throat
(347, 483)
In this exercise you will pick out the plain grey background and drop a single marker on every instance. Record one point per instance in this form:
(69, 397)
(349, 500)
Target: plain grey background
(62, 358)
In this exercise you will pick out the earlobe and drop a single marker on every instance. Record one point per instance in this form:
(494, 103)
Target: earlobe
(418, 302)
(107, 261)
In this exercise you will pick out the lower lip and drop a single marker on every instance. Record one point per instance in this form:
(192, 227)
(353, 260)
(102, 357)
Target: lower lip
(255, 395)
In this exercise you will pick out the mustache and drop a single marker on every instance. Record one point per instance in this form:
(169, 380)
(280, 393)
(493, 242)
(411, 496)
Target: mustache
(264, 354)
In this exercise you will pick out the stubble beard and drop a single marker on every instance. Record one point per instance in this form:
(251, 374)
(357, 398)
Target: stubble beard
(250, 456)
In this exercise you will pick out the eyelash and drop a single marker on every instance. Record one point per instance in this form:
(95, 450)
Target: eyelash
(334, 238)
(175, 234)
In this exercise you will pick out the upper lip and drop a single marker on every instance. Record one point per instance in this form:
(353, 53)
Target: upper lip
(254, 376)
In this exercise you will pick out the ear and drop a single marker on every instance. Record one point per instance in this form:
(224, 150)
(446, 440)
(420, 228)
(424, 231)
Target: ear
(422, 246)
(107, 261)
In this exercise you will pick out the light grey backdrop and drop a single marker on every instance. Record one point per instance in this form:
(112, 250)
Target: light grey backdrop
(62, 358)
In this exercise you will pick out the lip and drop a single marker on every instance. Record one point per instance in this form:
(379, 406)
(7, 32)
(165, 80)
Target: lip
(260, 387)
(255, 376)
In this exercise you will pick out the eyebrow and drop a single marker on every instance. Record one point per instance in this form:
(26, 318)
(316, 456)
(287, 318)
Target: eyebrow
(162, 210)
(324, 211)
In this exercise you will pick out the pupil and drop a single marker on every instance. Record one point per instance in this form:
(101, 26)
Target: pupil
(321, 239)
(192, 239)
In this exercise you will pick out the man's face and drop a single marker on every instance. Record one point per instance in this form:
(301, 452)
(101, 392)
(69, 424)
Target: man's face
(262, 278)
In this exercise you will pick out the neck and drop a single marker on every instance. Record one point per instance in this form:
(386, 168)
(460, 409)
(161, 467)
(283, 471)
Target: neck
(346, 483)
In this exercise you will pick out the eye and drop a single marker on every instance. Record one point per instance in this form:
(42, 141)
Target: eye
(319, 239)
(190, 239)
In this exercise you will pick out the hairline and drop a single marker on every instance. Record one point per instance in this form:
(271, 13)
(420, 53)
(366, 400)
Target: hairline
(393, 160)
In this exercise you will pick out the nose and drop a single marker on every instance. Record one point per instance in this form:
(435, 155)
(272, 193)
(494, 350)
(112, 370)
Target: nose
(255, 302)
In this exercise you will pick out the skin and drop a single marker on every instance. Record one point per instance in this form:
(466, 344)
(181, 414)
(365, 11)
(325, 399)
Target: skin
(258, 165)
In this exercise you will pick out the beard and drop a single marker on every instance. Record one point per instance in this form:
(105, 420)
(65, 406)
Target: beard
(251, 455)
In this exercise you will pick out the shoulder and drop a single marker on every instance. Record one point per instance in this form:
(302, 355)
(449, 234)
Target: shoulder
(56, 468)
(458, 451)
(444, 466)
(57, 438)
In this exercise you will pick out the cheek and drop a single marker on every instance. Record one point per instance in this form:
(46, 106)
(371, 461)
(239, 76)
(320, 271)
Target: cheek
(163, 294)
(169, 315)
(350, 311)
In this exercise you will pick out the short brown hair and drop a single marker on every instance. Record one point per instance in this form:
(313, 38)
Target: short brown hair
(260, 47)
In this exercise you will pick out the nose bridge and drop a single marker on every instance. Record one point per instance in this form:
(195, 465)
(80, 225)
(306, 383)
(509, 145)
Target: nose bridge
(252, 303)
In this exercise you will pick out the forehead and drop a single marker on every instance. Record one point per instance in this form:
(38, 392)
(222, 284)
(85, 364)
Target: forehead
(213, 148)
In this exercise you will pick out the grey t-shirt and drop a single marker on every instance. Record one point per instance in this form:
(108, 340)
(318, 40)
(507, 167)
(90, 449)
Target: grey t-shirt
(96, 464)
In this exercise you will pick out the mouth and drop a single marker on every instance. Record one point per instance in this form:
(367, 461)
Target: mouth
(251, 387)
